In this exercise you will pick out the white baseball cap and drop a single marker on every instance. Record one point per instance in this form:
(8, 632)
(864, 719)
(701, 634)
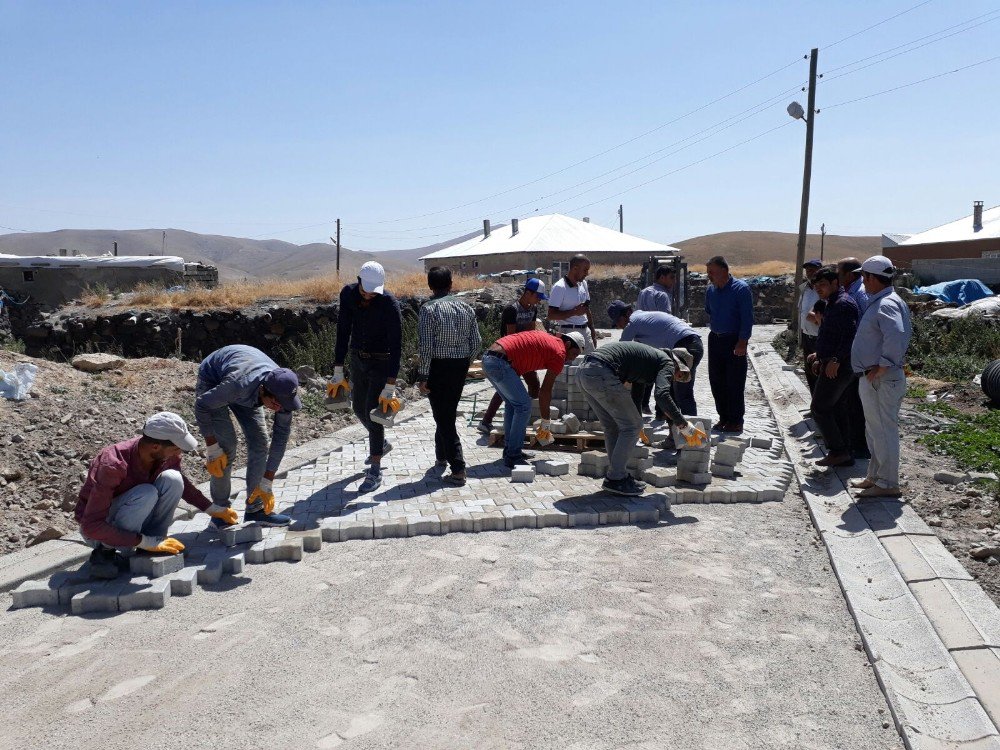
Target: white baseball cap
(372, 277)
(169, 426)
(576, 337)
(879, 265)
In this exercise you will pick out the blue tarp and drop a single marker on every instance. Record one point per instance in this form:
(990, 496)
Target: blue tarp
(958, 292)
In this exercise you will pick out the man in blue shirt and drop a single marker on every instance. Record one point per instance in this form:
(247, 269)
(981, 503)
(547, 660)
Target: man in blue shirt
(849, 271)
(878, 357)
(663, 331)
(370, 323)
(659, 294)
(831, 365)
(243, 381)
(729, 304)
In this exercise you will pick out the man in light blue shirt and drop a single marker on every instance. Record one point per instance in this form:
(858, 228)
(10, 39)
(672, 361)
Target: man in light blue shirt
(729, 304)
(659, 295)
(849, 270)
(878, 356)
(662, 331)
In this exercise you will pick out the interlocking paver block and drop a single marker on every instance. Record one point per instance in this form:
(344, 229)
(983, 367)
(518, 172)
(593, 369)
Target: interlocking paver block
(282, 548)
(244, 534)
(389, 528)
(182, 582)
(760, 442)
(552, 467)
(547, 518)
(594, 458)
(693, 477)
(354, 528)
(723, 470)
(584, 518)
(658, 476)
(35, 594)
(423, 527)
(102, 597)
(728, 454)
(142, 593)
(154, 566)
(639, 464)
(518, 519)
(523, 473)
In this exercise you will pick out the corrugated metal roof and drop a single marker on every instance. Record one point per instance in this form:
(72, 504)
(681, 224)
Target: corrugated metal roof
(553, 233)
(960, 231)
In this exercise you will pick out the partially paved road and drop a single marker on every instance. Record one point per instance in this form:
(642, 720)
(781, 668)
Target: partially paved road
(721, 627)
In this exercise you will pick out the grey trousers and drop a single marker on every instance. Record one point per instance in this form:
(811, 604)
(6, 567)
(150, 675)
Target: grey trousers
(881, 402)
(619, 417)
(254, 428)
(147, 508)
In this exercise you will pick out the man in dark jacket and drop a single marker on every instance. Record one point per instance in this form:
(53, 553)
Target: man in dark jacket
(831, 363)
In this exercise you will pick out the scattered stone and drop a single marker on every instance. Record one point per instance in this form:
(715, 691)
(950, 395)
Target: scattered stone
(984, 552)
(97, 362)
(48, 534)
(950, 477)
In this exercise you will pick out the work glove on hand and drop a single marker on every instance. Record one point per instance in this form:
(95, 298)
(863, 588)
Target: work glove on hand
(643, 437)
(544, 434)
(694, 437)
(217, 461)
(161, 545)
(387, 399)
(337, 384)
(265, 494)
(223, 513)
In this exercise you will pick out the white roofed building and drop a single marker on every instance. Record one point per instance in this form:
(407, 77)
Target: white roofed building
(975, 236)
(539, 241)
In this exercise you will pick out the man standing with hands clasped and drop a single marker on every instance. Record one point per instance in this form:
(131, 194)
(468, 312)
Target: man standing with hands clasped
(729, 304)
(243, 381)
(371, 324)
(569, 303)
(878, 356)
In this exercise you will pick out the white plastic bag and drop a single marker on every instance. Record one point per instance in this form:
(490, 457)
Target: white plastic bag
(16, 385)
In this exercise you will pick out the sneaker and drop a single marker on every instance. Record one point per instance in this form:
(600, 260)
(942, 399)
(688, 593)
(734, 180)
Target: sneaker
(485, 427)
(105, 563)
(862, 484)
(519, 460)
(373, 480)
(261, 518)
(386, 447)
(624, 486)
(456, 479)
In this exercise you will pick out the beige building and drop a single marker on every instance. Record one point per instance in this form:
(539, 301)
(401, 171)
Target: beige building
(540, 241)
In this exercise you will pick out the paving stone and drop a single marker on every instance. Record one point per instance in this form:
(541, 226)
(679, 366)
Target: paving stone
(452, 523)
(639, 464)
(518, 519)
(546, 518)
(692, 477)
(243, 534)
(423, 527)
(552, 467)
(390, 528)
(590, 470)
(981, 666)
(723, 470)
(154, 566)
(101, 597)
(584, 518)
(312, 539)
(329, 530)
(35, 594)
(728, 453)
(760, 442)
(658, 476)
(489, 522)
(613, 517)
(523, 473)
(142, 593)
(353, 528)
(211, 572)
(182, 582)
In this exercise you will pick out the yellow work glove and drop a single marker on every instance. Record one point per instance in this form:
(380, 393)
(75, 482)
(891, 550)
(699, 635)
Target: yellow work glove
(387, 399)
(694, 437)
(161, 545)
(643, 437)
(337, 384)
(228, 515)
(217, 461)
(543, 434)
(265, 494)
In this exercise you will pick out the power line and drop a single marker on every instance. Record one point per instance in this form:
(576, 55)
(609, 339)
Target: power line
(876, 25)
(913, 83)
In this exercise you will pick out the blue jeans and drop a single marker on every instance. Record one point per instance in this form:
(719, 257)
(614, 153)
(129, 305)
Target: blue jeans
(148, 508)
(255, 431)
(619, 415)
(517, 403)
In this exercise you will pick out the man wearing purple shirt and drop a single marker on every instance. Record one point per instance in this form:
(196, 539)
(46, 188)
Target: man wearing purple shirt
(132, 489)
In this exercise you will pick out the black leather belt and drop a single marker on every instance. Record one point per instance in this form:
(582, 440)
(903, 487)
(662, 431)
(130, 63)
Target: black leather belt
(372, 355)
(567, 325)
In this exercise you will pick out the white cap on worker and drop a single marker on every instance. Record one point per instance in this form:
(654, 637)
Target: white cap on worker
(879, 265)
(576, 337)
(169, 426)
(372, 277)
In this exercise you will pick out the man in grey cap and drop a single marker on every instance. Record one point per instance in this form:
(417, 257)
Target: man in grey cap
(877, 356)
(243, 381)
(132, 489)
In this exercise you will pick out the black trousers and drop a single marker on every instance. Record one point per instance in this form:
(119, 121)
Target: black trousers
(829, 407)
(727, 376)
(368, 378)
(446, 381)
(856, 416)
(809, 347)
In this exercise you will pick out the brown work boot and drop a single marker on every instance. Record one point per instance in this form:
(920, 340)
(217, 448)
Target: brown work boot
(841, 458)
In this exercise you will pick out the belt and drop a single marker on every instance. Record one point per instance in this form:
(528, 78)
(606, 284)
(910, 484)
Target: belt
(371, 355)
(605, 364)
(567, 325)
(498, 355)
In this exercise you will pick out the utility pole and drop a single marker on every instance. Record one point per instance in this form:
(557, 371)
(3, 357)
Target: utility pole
(338, 247)
(163, 243)
(800, 256)
(621, 218)
(822, 239)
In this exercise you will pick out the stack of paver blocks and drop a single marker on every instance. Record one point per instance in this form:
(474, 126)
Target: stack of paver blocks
(593, 464)
(567, 395)
(693, 463)
(728, 455)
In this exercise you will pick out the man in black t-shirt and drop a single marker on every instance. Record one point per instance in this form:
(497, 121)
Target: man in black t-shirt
(515, 318)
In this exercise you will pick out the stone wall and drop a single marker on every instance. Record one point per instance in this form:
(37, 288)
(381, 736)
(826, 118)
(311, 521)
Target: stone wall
(771, 302)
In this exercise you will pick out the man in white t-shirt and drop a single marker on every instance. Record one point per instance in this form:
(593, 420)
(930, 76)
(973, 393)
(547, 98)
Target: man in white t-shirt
(569, 302)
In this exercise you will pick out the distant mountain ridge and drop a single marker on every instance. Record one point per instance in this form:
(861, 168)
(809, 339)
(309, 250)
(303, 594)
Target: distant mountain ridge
(244, 258)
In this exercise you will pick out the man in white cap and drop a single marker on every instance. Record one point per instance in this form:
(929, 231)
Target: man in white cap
(522, 355)
(243, 381)
(877, 356)
(370, 325)
(132, 489)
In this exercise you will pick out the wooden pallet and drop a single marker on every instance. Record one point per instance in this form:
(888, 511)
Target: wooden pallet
(581, 441)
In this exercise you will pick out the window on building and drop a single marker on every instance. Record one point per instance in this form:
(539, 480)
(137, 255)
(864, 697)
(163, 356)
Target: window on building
(475, 264)
(463, 265)
(28, 275)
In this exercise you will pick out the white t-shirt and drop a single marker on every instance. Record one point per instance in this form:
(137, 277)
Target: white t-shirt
(806, 301)
(566, 297)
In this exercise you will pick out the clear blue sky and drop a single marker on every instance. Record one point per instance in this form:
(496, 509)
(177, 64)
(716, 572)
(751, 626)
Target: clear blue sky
(257, 118)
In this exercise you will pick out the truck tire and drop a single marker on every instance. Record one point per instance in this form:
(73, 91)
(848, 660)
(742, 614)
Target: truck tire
(991, 381)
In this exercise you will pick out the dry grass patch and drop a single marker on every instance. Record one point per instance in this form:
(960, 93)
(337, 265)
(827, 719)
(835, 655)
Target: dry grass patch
(767, 268)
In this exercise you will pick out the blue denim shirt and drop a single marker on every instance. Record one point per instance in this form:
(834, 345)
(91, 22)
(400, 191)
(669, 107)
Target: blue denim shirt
(232, 375)
(859, 295)
(840, 324)
(655, 328)
(730, 309)
(883, 333)
(655, 297)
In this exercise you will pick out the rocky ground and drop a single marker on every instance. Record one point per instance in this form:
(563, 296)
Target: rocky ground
(48, 440)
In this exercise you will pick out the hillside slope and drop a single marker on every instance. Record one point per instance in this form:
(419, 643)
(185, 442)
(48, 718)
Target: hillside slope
(750, 248)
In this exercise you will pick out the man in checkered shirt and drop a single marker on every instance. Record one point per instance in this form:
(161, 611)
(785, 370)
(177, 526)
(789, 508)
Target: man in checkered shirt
(449, 338)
